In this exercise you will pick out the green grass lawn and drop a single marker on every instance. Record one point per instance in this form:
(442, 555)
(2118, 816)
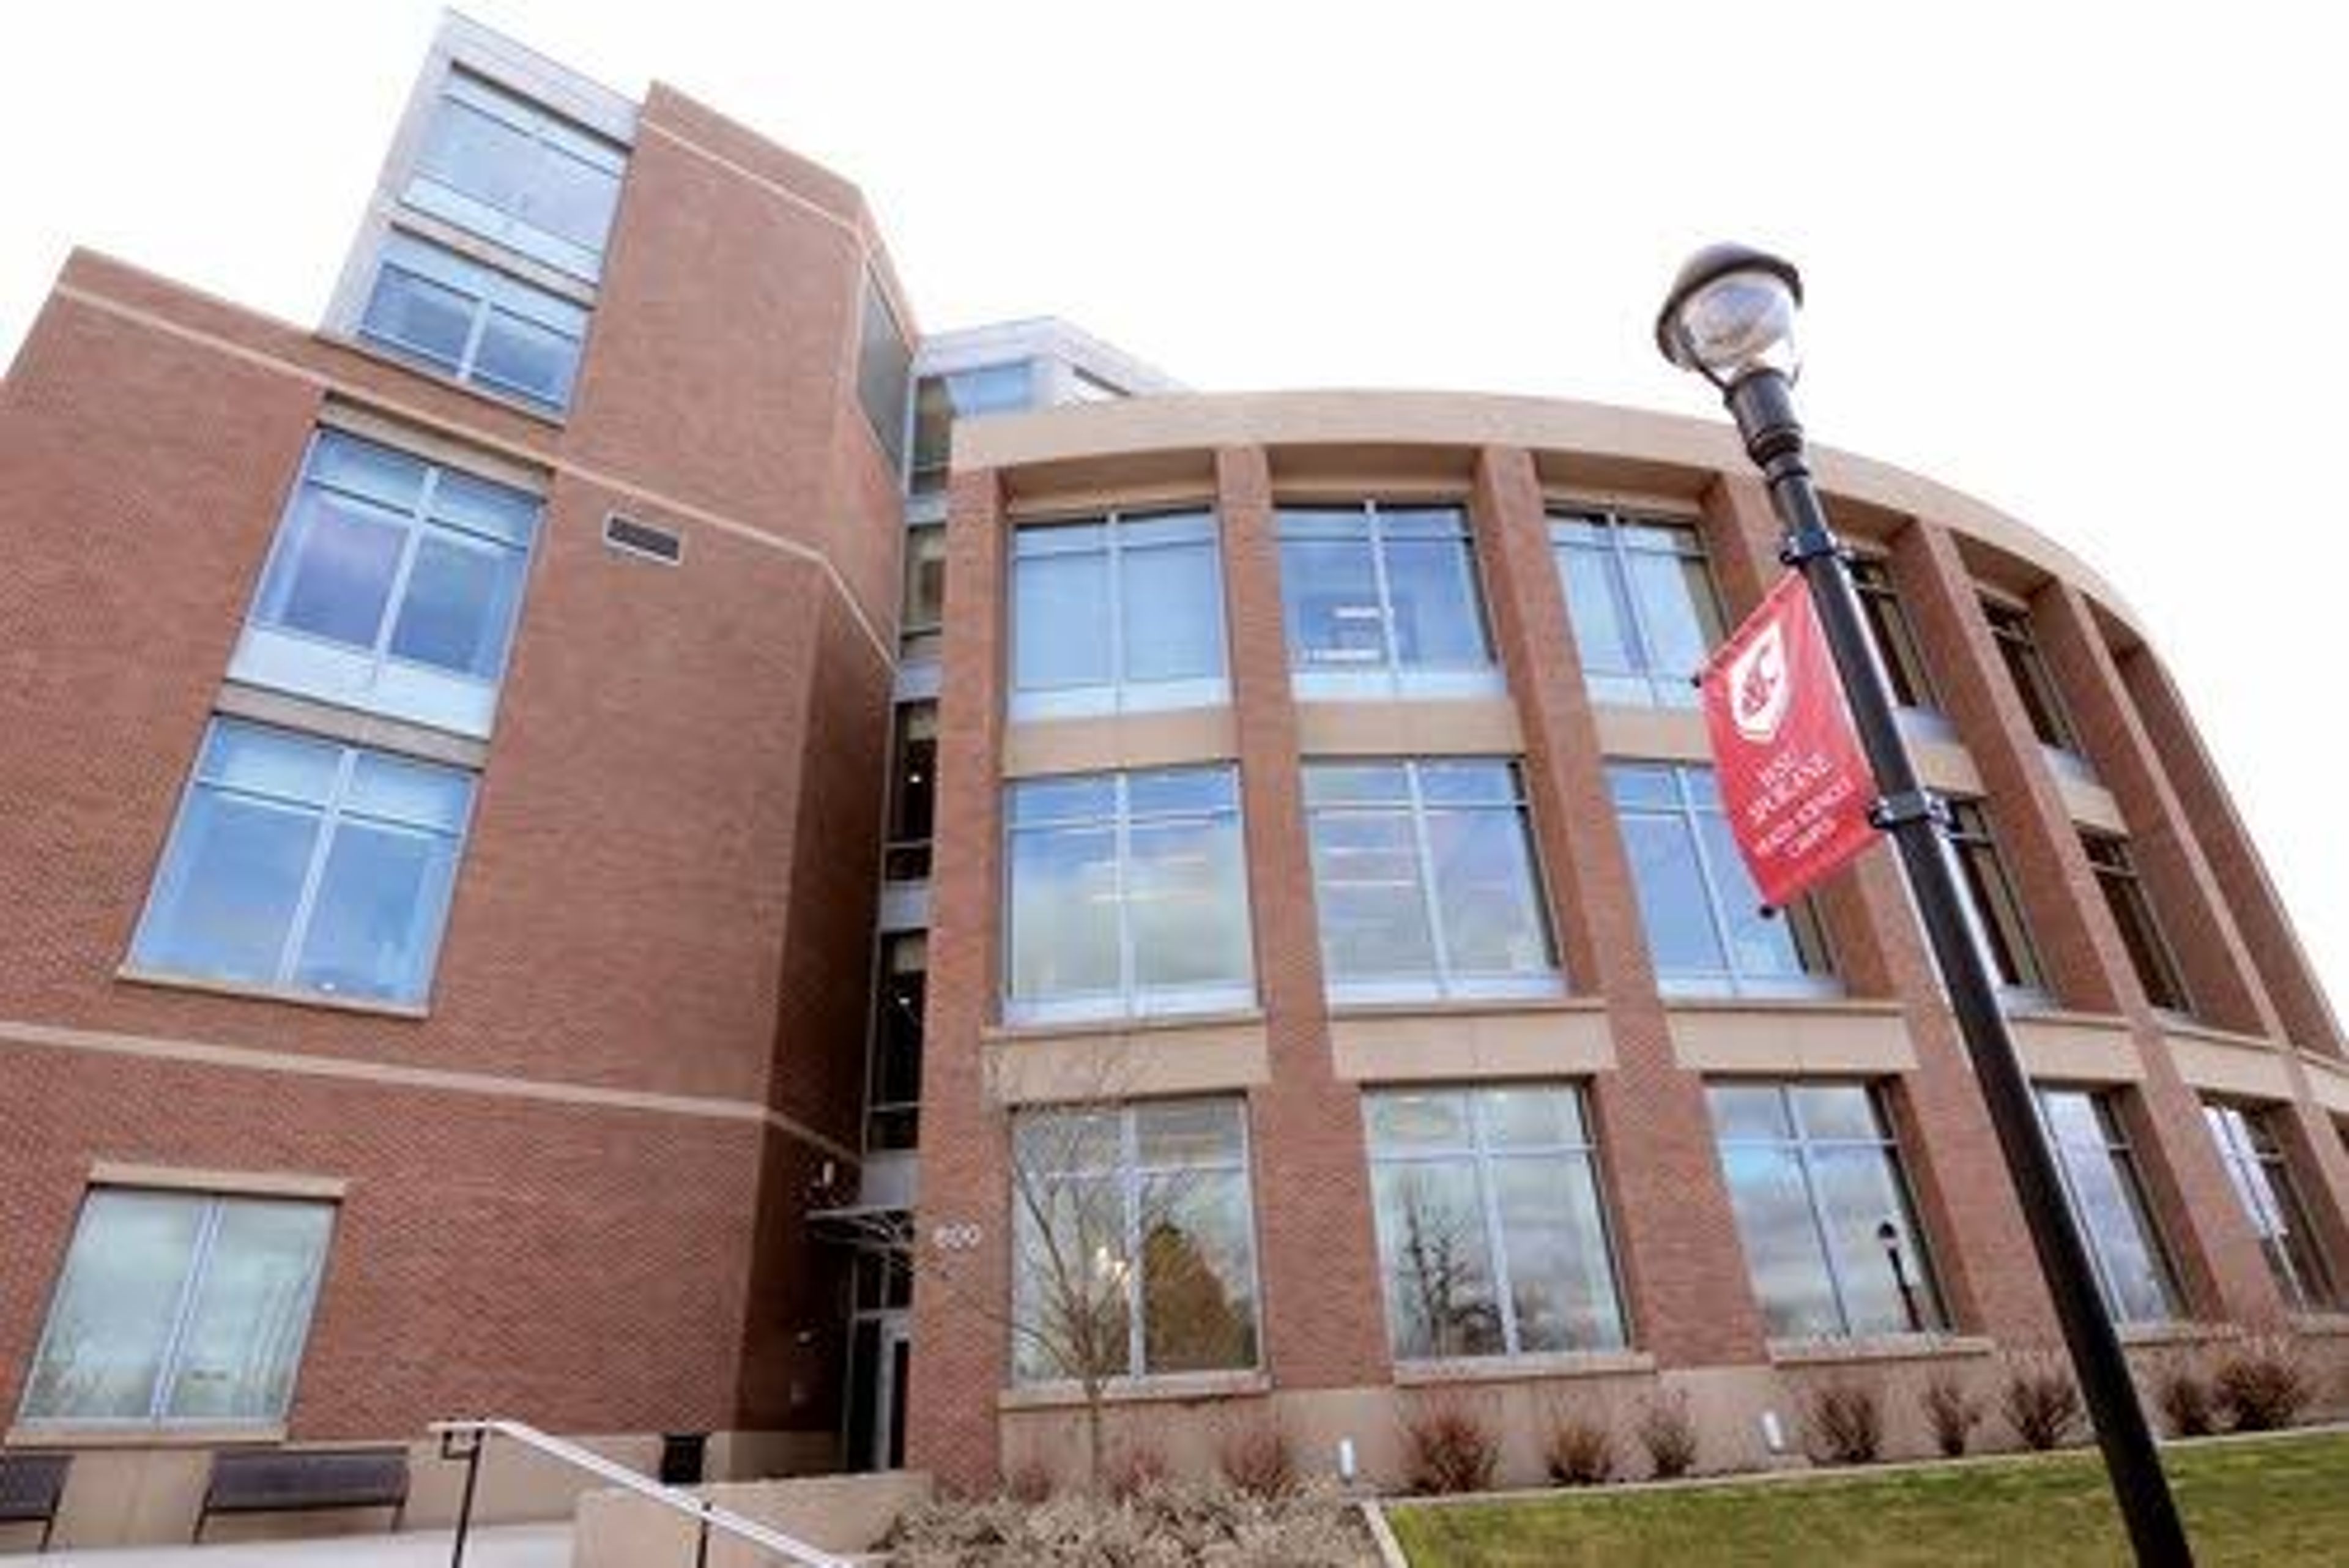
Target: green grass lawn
(2278, 1501)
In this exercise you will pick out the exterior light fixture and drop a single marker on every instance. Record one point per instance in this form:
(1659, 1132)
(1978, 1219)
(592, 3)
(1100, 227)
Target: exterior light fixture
(1730, 316)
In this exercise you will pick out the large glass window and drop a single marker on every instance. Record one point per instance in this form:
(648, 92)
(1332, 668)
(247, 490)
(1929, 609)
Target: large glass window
(2263, 1175)
(2124, 896)
(893, 1090)
(394, 586)
(885, 366)
(2018, 646)
(179, 1308)
(1823, 1210)
(1642, 602)
(1896, 639)
(1492, 1234)
(1135, 1245)
(1707, 931)
(923, 615)
(2100, 1182)
(913, 792)
(939, 401)
(1425, 880)
(1128, 895)
(1995, 900)
(1381, 599)
(474, 323)
(304, 865)
(513, 172)
(1116, 612)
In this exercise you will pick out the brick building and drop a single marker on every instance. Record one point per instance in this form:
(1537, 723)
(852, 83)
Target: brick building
(447, 971)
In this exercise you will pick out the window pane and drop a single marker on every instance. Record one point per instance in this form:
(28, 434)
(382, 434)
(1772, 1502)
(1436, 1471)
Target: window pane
(1188, 1132)
(1478, 782)
(1060, 621)
(1074, 1277)
(257, 761)
(1750, 1111)
(116, 1303)
(1485, 892)
(1859, 1192)
(1330, 601)
(1198, 1273)
(1780, 1240)
(1760, 944)
(1366, 884)
(231, 881)
(419, 794)
(1440, 1297)
(252, 1314)
(1531, 1116)
(1836, 1111)
(1172, 599)
(377, 919)
(1677, 611)
(1076, 798)
(528, 358)
(884, 372)
(1406, 1119)
(459, 607)
(1673, 903)
(479, 506)
(1560, 1287)
(1437, 619)
(1187, 901)
(1160, 791)
(427, 320)
(2112, 1212)
(925, 578)
(332, 574)
(1339, 784)
(1600, 633)
(1064, 938)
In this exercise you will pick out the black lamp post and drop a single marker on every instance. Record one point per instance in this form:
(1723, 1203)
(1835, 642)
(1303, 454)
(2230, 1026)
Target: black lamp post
(1888, 1236)
(1731, 316)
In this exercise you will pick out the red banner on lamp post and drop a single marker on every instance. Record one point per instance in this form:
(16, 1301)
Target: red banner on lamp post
(1794, 781)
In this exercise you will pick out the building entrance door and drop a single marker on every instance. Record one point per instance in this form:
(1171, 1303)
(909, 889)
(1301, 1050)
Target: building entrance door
(880, 1355)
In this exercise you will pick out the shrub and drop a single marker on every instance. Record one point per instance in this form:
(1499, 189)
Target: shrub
(1255, 1456)
(2041, 1402)
(1669, 1435)
(2185, 1398)
(1578, 1450)
(1315, 1527)
(2263, 1385)
(1843, 1424)
(1028, 1480)
(1951, 1413)
(1136, 1464)
(1448, 1448)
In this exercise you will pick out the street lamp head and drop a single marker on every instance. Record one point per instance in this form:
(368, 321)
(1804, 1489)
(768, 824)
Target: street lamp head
(1731, 312)
(1888, 1235)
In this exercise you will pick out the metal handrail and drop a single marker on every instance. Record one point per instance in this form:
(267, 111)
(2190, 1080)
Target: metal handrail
(707, 1514)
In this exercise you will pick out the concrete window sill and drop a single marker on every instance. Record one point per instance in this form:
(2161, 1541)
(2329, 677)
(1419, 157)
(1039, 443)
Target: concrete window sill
(1875, 1347)
(1523, 1368)
(1175, 1387)
(166, 981)
(86, 1435)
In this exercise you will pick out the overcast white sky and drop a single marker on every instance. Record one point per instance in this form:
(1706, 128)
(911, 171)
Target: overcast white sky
(2067, 258)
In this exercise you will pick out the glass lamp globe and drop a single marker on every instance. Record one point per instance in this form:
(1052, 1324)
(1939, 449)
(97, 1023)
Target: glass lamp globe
(1731, 312)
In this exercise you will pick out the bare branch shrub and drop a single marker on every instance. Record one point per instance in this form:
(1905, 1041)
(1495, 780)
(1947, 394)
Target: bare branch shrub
(1256, 1455)
(1951, 1412)
(2041, 1402)
(2264, 1385)
(1028, 1481)
(1669, 1435)
(1448, 1446)
(1843, 1423)
(1578, 1447)
(2185, 1397)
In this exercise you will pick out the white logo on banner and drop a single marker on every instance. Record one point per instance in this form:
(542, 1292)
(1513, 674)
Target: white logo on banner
(1758, 687)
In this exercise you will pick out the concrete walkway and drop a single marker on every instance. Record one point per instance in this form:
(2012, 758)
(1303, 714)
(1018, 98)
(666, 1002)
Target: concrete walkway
(489, 1546)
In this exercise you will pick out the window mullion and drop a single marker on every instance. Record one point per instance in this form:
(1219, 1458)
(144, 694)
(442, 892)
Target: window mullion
(1122, 837)
(1818, 1216)
(200, 1258)
(1439, 950)
(1488, 1190)
(1716, 913)
(1129, 1187)
(1115, 559)
(409, 548)
(330, 816)
(475, 332)
(1392, 655)
(1619, 583)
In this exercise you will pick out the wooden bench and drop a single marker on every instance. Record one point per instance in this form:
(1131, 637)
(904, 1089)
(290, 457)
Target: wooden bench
(31, 1487)
(287, 1480)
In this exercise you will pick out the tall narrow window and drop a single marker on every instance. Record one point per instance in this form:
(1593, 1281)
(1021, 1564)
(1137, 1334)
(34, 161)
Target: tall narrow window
(885, 366)
(1492, 1234)
(940, 400)
(1425, 880)
(1706, 929)
(2042, 703)
(1642, 602)
(923, 615)
(1128, 895)
(2100, 1182)
(480, 325)
(1381, 599)
(913, 792)
(2148, 950)
(393, 585)
(179, 1308)
(1134, 1251)
(2255, 1161)
(1994, 897)
(894, 1089)
(1896, 639)
(302, 865)
(1116, 612)
(513, 172)
(1823, 1210)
